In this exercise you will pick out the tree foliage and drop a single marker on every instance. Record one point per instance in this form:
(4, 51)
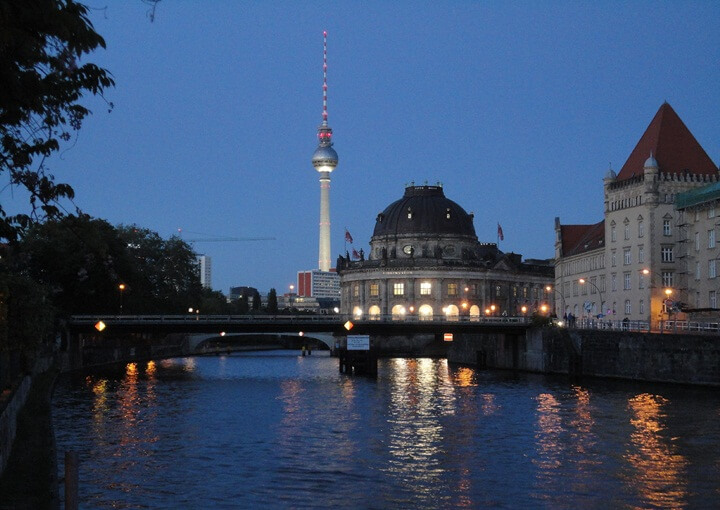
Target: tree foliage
(41, 84)
(83, 261)
(272, 302)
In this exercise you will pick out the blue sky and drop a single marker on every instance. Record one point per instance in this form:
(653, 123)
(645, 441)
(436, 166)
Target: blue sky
(518, 108)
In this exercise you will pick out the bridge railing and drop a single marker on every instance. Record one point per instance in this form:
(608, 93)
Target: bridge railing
(332, 319)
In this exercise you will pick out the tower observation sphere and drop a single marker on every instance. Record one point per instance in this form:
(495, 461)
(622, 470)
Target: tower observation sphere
(324, 159)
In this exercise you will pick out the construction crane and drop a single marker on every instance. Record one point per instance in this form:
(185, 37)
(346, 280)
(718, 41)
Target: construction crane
(219, 239)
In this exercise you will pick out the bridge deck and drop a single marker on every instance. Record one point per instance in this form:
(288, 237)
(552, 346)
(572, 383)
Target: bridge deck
(387, 325)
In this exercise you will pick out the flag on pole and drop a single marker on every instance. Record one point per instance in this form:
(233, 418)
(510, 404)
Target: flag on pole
(355, 254)
(348, 237)
(501, 237)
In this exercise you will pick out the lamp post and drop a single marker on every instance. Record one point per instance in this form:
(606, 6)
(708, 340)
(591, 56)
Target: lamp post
(583, 281)
(121, 288)
(550, 288)
(667, 291)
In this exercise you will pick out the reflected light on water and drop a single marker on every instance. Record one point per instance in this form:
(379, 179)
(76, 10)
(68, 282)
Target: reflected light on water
(660, 472)
(416, 434)
(549, 422)
(465, 377)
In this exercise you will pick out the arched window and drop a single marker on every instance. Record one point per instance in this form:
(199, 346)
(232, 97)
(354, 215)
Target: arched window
(357, 312)
(398, 312)
(452, 312)
(425, 312)
(474, 312)
(374, 312)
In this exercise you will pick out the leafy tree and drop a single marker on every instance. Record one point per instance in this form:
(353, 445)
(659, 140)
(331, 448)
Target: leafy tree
(41, 43)
(256, 301)
(272, 302)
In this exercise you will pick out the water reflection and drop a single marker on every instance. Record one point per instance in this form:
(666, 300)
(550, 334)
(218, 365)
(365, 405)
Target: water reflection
(659, 471)
(284, 431)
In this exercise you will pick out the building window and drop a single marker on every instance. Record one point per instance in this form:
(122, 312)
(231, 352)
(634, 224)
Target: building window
(712, 268)
(628, 308)
(398, 289)
(713, 299)
(641, 254)
(613, 234)
(667, 278)
(641, 309)
(498, 290)
(613, 282)
(626, 281)
(356, 290)
(666, 254)
(374, 290)
(425, 288)
(566, 289)
(711, 212)
(602, 283)
(593, 285)
(711, 238)
(452, 289)
(641, 280)
(697, 270)
(525, 293)
(575, 288)
(667, 230)
(641, 229)
(697, 241)
(613, 259)
(627, 231)
(627, 259)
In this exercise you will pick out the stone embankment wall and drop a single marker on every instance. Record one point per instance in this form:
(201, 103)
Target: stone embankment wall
(687, 359)
(10, 406)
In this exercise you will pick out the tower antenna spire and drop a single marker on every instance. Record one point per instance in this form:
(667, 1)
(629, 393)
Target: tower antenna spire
(325, 86)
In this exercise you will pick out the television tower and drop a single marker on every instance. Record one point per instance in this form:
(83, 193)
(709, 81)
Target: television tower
(324, 159)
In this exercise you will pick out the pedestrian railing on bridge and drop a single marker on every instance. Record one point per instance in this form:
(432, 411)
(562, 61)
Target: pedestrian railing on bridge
(645, 326)
(330, 319)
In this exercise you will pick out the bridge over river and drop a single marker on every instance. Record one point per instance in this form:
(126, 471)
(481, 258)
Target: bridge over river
(333, 324)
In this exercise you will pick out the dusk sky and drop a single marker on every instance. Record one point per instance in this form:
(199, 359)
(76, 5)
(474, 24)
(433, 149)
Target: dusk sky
(517, 108)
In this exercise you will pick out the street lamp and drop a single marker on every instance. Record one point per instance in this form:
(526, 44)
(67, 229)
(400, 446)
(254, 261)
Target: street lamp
(121, 287)
(584, 281)
(550, 288)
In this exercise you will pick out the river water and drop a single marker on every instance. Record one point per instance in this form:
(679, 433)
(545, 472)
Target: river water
(277, 430)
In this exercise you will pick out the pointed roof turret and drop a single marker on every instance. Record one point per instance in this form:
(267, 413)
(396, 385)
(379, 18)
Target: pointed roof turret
(672, 145)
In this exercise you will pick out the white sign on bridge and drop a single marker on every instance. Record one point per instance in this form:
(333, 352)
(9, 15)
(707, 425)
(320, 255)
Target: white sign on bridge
(358, 342)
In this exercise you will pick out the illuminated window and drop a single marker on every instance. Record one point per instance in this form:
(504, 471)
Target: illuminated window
(398, 289)
(425, 288)
(667, 278)
(374, 289)
(356, 290)
(452, 289)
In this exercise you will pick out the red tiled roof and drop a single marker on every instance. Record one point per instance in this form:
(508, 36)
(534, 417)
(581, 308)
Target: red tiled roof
(673, 146)
(581, 238)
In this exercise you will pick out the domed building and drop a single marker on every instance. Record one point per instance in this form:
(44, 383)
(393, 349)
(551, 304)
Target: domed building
(425, 260)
